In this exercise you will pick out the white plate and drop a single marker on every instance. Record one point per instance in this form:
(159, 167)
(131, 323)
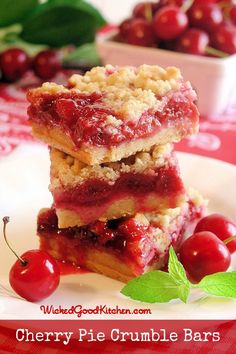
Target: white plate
(24, 178)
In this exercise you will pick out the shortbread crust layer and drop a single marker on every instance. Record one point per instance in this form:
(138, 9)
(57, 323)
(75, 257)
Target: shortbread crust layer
(145, 182)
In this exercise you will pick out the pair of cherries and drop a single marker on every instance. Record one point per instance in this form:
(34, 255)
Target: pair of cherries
(209, 249)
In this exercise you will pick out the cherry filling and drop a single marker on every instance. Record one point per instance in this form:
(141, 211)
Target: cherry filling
(83, 117)
(127, 238)
(164, 182)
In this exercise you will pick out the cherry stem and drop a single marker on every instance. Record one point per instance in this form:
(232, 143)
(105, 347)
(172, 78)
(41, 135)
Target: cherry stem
(148, 12)
(227, 240)
(186, 5)
(6, 220)
(217, 53)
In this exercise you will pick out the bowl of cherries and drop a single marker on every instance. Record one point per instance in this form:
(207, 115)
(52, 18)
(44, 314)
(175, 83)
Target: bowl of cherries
(198, 36)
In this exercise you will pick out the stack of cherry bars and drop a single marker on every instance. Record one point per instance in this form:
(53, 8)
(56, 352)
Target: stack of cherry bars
(118, 198)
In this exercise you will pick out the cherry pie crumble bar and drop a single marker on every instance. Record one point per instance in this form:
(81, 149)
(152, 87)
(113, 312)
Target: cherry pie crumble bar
(145, 182)
(122, 248)
(111, 113)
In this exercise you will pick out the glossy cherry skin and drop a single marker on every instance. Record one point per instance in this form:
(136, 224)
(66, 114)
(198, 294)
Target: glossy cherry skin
(169, 22)
(46, 64)
(203, 254)
(14, 62)
(38, 278)
(224, 38)
(124, 28)
(193, 41)
(205, 16)
(233, 14)
(221, 226)
(141, 33)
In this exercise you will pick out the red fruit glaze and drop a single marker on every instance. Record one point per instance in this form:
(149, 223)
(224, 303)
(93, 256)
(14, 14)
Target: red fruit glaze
(14, 62)
(193, 41)
(83, 116)
(164, 181)
(205, 16)
(203, 254)
(219, 225)
(140, 33)
(38, 278)
(46, 64)
(233, 14)
(126, 238)
(68, 269)
(169, 22)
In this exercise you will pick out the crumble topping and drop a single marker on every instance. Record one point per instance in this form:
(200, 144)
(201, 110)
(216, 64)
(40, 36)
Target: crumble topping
(164, 218)
(70, 171)
(128, 91)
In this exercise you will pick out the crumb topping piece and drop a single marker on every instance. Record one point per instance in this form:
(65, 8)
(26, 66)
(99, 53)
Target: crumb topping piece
(128, 91)
(70, 171)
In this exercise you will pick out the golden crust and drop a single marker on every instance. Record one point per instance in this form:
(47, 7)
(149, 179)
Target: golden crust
(67, 170)
(92, 155)
(120, 208)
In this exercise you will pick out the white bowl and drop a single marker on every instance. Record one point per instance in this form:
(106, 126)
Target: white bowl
(214, 79)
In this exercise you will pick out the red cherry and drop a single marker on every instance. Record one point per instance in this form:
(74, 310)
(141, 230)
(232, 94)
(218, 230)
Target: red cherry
(124, 28)
(233, 14)
(193, 41)
(205, 16)
(219, 225)
(224, 38)
(131, 229)
(169, 22)
(14, 62)
(35, 275)
(203, 254)
(36, 278)
(141, 33)
(46, 64)
(105, 234)
(66, 109)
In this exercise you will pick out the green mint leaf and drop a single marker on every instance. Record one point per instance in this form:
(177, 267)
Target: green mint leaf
(220, 284)
(184, 291)
(60, 22)
(155, 286)
(177, 271)
(14, 11)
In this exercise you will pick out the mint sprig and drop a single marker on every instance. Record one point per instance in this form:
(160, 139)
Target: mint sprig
(177, 272)
(159, 286)
(220, 284)
(154, 286)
